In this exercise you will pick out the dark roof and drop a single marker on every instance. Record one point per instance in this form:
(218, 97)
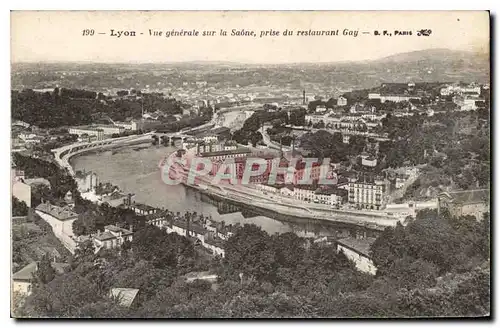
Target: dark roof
(226, 152)
(193, 227)
(215, 242)
(116, 229)
(104, 236)
(361, 246)
(60, 213)
(143, 207)
(125, 296)
(470, 196)
(157, 215)
(114, 195)
(25, 273)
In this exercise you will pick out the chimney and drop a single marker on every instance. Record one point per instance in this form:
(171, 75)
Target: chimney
(303, 97)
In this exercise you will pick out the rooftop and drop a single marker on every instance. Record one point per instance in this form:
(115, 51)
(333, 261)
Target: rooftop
(193, 227)
(215, 242)
(104, 236)
(241, 150)
(60, 213)
(203, 275)
(25, 273)
(116, 229)
(361, 246)
(470, 196)
(157, 215)
(125, 296)
(143, 207)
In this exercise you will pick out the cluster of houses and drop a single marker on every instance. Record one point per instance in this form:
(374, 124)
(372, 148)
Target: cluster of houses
(202, 231)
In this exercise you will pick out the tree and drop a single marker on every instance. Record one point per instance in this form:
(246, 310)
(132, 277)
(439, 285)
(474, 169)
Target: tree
(85, 252)
(162, 249)
(63, 297)
(290, 249)
(250, 251)
(19, 208)
(45, 272)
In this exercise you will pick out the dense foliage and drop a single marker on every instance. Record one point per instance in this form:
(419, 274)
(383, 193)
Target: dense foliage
(68, 107)
(249, 133)
(19, 208)
(433, 266)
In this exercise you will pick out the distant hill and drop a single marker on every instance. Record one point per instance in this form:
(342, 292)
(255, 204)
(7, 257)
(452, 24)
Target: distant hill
(427, 65)
(433, 65)
(435, 54)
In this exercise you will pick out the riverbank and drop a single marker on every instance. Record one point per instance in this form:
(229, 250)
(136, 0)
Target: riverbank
(243, 196)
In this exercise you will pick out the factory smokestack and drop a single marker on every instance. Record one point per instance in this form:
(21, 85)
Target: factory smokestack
(303, 97)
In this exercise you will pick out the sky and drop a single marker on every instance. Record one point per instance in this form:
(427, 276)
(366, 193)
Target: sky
(53, 36)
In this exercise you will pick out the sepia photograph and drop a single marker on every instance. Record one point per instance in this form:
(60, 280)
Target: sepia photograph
(250, 164)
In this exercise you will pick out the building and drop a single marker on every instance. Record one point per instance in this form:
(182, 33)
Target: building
(217, 134)
(215, 245)
(112, 237)
(342, 101)
(86, 181)
(37, 182)
(320, 109)
(20, 189)
(368, 161)
(61, 220)
(86, 133)
(22, 279)
(368, 192)
(115, 199)
(343, 123)
(158, 219)
(358, 251)
(392, 97)
(215, 146)
(456, 89)
(100, 131)
(132, 125)
(467, 102)
(468, 202)
(203, 275)
(143, 209)
(127, 297)
(225, 154)
(187, 228)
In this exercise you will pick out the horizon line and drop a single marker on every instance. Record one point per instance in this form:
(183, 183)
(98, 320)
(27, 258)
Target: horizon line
(236, 62)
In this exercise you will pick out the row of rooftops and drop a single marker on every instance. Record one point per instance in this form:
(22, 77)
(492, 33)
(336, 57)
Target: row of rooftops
(60, 213)
(109, 232)
(195, 225)
(238, 151)
(26, 273)
(467, 196)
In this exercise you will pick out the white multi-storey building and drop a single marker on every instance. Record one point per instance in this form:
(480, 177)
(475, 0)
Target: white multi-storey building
(368, 192)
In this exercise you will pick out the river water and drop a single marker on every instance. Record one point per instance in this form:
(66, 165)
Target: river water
(135, 170)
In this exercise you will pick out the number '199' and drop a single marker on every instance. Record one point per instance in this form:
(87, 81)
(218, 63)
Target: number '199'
(87, 32)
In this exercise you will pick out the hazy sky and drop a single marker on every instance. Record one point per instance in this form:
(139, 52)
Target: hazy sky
(57, 36)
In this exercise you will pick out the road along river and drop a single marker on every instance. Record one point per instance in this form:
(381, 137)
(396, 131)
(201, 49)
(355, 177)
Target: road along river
(135, 170)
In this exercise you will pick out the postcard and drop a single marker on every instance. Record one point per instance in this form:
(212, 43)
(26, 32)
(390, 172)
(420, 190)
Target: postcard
(250, 164)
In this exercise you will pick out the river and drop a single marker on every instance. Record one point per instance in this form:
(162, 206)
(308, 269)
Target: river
(135, 170)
